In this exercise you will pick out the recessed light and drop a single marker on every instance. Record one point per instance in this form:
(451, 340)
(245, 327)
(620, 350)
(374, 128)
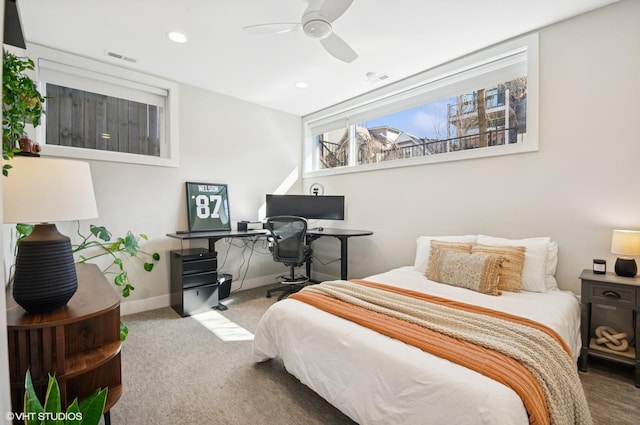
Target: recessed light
(178, 37)
(302, 85)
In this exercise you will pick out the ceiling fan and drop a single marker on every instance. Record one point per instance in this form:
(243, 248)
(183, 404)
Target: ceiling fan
(316, 23)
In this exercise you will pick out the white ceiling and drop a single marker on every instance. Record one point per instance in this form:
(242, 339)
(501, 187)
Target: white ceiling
(395, 37)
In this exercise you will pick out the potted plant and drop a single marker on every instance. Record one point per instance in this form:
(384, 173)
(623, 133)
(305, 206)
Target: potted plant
(21, 103)
(87, 412)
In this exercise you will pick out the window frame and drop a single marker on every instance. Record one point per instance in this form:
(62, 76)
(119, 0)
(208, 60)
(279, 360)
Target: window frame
(82, 68)
(411, 91)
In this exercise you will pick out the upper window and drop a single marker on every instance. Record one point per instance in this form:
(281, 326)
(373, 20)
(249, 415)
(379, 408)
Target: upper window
(103, 112)
(480, 105)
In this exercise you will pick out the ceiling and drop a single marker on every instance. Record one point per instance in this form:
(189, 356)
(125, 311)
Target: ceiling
(397, 38)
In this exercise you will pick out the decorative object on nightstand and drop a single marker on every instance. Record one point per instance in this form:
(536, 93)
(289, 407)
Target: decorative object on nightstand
(599, 266)
(610, 302)
(612, 339)
(627, 244)
(44, 191)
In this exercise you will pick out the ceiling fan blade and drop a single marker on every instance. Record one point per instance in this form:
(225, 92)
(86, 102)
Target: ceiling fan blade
(274, 28)
(339, 48)
(333, 9)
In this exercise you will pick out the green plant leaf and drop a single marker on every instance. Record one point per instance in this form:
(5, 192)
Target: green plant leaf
(130, 244)
(73, 417)
(115, 246)
(143, 236)
(24, 229)
(118, 262)
(156, 256)
(120, 278)
(52, 400)
(100, 232)
(148, 266)
(124, 331)
(31, 402)
(92, 407)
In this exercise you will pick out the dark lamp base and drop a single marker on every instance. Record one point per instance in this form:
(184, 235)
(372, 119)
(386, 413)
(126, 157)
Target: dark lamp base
(626, 267)
(45, 278)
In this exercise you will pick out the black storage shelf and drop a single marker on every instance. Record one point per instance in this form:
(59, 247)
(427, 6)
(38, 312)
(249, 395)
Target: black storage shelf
(194, 281)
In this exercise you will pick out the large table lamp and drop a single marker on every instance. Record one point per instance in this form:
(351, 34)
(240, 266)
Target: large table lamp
(626, 243)
(43, 191)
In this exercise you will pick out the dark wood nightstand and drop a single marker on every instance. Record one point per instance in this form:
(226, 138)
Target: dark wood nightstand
(614, 293)
(79, 344)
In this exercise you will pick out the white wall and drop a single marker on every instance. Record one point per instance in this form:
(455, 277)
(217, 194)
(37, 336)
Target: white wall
(580, 185)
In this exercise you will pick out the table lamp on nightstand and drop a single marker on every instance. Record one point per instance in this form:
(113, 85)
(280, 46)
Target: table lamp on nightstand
(626, 243)
(44, 191)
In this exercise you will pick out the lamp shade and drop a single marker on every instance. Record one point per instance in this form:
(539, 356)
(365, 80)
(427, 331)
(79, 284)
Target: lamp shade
(44, 190)
(626, 243)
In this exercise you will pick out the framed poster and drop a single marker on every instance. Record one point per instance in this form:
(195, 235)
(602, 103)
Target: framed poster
(208, 207)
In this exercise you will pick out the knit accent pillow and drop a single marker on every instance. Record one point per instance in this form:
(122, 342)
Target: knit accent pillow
(477, 272)
(511, 273)
(437, 247)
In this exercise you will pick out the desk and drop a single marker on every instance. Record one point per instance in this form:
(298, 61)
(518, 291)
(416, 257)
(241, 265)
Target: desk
(215, 236)
(342, 235)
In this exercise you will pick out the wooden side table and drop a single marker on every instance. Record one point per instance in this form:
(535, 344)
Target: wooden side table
(79, 343)
(612, 292)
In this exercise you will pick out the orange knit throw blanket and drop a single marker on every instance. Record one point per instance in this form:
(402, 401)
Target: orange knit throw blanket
(489, 362)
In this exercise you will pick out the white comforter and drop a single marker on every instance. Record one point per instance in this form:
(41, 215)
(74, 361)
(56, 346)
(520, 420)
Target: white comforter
(375, 379)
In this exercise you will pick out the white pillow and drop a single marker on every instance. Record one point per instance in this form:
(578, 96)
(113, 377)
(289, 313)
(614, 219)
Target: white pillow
(535, 259)
(423, 248)
(552, 264)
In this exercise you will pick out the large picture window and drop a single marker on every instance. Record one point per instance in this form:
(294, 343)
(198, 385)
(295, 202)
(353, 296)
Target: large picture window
(481, 105)
(103, 112)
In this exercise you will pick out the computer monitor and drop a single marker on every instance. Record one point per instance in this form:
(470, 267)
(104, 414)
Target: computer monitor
(307, 206)
(208, 207)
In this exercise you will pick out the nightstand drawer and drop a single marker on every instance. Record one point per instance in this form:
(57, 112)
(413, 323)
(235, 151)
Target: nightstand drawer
(616, 295)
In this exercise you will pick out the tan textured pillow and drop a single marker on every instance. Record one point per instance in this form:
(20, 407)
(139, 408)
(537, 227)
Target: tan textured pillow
(477, 272)
(511, 272)
(437, 247)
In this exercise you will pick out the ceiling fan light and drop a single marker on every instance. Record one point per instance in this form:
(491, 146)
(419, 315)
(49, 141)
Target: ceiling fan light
(317, 28)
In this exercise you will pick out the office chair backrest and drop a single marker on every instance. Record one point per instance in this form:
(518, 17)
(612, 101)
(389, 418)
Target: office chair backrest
(288, 234)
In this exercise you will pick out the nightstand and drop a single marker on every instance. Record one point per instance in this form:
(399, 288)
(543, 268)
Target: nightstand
(618, 295)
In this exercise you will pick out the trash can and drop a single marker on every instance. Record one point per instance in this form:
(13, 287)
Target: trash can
(224, 285)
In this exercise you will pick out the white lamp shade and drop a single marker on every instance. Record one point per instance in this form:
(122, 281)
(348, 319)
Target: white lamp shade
(45, 190)
(626, 242)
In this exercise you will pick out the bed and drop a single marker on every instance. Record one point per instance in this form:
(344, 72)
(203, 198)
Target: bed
(376, 379)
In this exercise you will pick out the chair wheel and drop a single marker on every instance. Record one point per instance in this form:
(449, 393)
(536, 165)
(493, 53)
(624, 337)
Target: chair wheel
(268, 295)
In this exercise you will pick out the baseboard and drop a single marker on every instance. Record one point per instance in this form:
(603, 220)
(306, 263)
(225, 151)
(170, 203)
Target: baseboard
(138, 306)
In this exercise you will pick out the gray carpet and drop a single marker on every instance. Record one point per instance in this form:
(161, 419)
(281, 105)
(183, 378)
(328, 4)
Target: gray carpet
(176, 371)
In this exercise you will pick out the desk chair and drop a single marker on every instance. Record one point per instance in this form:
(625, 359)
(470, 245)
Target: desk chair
(287, 235)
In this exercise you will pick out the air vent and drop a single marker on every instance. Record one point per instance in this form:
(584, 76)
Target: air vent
(121, 57)
(372, 77)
